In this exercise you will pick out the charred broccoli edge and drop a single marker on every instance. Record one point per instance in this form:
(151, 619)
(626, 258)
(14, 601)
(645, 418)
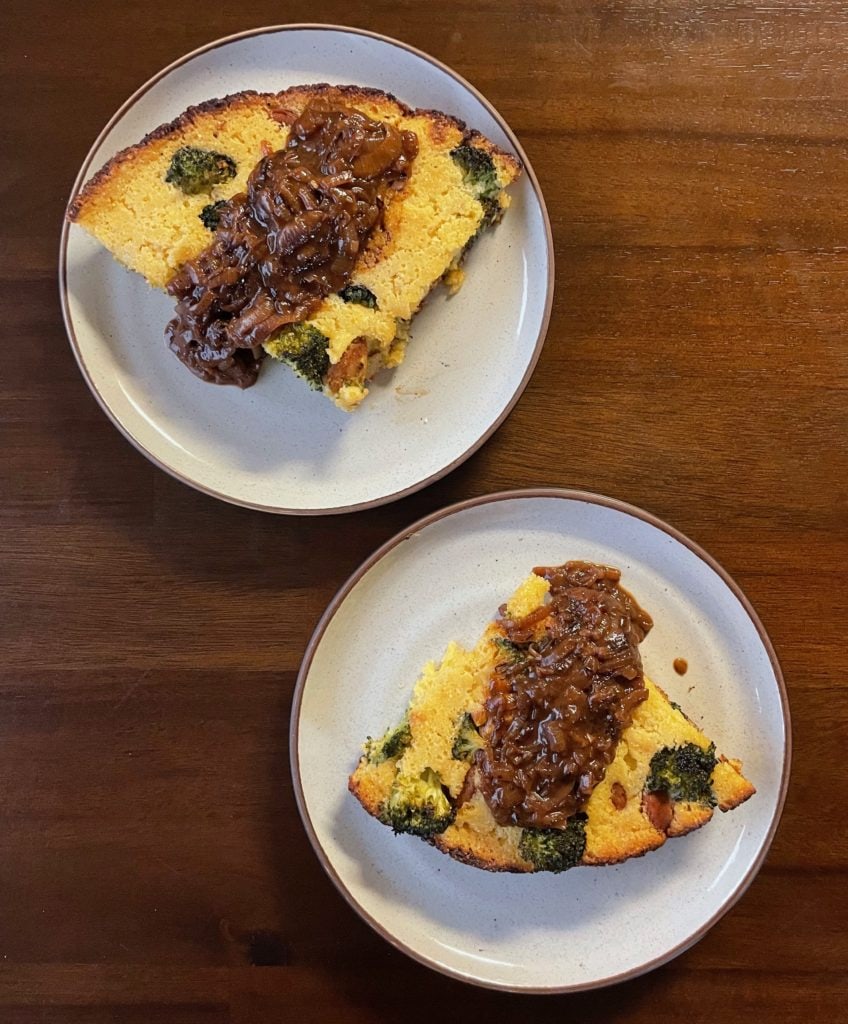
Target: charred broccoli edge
(467, 740)
(193, 170)
(418, 805)
(555, 849)
(359, 295)
(304, 348)
(391, 744)
(684, 772)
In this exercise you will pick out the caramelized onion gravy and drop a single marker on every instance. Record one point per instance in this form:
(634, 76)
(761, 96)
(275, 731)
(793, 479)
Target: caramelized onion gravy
(561, 697)
(289, 241)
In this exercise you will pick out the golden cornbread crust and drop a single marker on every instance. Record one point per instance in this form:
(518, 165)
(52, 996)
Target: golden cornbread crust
(95, 184)
(153, 228)
(473, 861)
(275, 103)
(615, 831)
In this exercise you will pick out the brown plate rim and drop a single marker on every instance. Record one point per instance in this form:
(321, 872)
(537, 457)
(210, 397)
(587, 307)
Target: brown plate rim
(569, 495)
(371, 502)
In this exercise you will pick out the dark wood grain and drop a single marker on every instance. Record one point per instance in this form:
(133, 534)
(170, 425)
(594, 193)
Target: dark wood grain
(694, 157)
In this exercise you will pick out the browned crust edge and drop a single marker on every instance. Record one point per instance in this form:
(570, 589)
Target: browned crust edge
(271, 100)
(600, 863)
(186, 118)
(354, 786)
(731, 805)
(464, 857)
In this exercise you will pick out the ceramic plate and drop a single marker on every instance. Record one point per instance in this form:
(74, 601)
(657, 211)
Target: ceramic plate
(443, 579)
(278, 446)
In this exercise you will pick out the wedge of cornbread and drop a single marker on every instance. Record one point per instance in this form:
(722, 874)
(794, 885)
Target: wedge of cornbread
(425, 759)
(454, 191)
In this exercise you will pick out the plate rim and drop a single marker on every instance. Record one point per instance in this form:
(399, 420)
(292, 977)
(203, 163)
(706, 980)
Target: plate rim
(544, 324)
(447, 511)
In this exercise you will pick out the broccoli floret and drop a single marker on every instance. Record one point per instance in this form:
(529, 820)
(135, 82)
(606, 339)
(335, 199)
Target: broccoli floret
(195, 170)
(391, 744)
(480, 176)
(512, 652)
(492, 213)
(683, 772)
(304, 348)
(478, 171)
(211, 214)
(467, 741)
(360, 295)
(418, 805)
(554, 849)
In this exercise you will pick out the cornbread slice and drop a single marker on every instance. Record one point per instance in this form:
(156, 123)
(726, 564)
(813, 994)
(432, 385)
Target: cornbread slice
(152, 227)
(622, 818)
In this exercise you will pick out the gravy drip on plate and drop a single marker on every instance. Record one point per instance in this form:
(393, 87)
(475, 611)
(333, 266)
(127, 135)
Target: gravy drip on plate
(559, 703)
(289, 241)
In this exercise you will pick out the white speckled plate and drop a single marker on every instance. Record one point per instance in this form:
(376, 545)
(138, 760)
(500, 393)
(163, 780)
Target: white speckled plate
(443, 579)
(278, 446)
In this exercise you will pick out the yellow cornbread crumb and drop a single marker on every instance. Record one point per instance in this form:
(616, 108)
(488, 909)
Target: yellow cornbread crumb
(153, 228)
(615, 829)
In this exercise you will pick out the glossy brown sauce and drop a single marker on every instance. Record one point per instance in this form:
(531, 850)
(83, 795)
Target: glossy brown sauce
(557, 707)
(681, 666)
(288, 242)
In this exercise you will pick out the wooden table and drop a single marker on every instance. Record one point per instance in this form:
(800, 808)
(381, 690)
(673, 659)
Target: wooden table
(153, 867)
